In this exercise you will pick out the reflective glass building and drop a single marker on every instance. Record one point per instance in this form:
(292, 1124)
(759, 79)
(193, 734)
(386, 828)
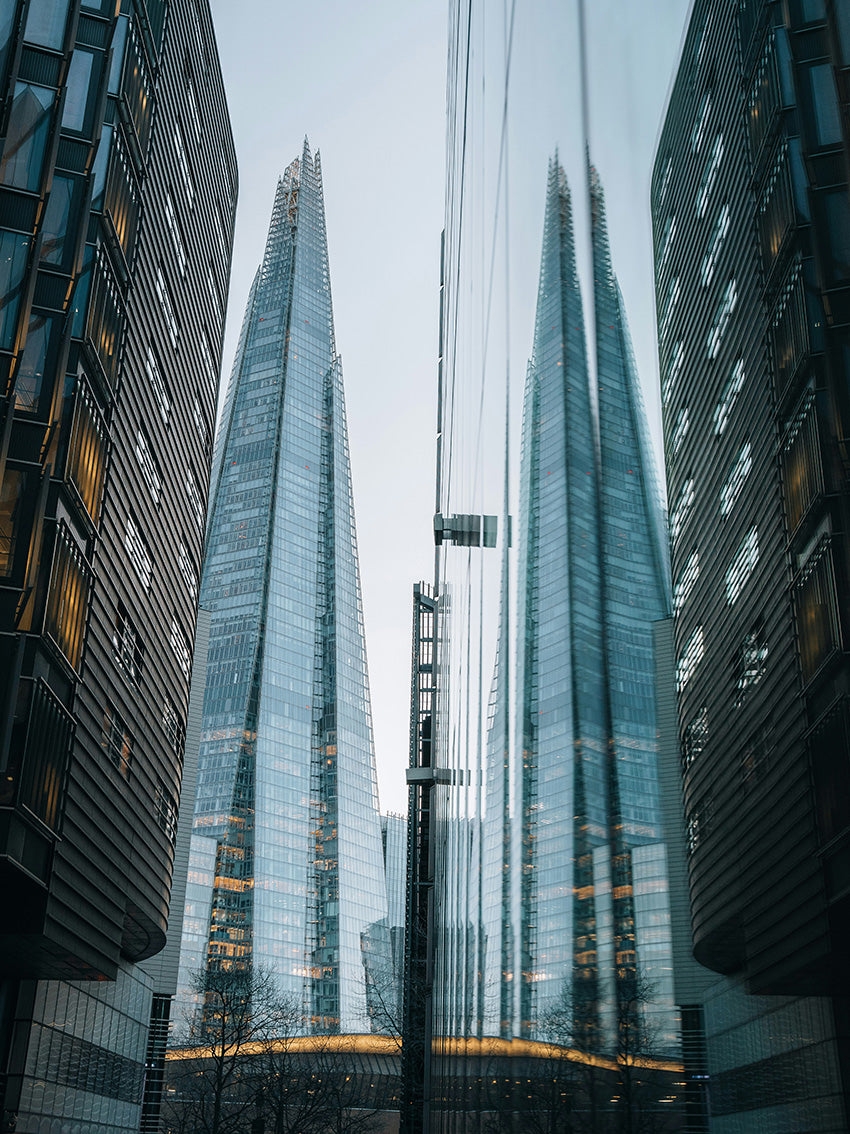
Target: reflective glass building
(286, 804)
(586, 905)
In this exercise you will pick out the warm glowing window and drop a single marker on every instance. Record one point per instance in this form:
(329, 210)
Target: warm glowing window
(87, 451)
(68, 597)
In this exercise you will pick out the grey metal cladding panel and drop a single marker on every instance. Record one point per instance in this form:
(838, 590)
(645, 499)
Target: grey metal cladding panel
(145, 863)
(163, 968)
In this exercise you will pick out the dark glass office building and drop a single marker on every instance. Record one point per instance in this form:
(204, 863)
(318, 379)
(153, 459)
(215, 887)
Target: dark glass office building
(751, 224)
(287, 828)
(117, 194)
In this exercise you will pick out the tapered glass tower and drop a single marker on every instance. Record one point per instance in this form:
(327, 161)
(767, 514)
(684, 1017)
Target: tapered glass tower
(287, 788)
(590, 904)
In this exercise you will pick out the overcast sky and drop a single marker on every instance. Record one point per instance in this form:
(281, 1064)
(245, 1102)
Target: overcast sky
(366, 83)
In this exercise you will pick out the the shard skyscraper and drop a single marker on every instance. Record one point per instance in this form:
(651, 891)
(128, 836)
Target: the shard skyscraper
(582, 827)
(287, 832)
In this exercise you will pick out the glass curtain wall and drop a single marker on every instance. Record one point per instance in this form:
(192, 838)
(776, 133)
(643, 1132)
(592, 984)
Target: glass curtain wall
(552, 910)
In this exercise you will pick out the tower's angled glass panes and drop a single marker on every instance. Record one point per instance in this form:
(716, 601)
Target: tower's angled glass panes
(552, 903)
(286, 782)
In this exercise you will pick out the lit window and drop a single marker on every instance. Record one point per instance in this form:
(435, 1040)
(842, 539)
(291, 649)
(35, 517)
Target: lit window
(680, 430)
(715, 244)
(181, 647)
(695, 737)
(752, 662)
(690, 658)
(666, 245)
(126, 647)
(670, 302)
(172, 725)
(176, 234)
(167, 306)
(138, 552)
(166, 811)
(190, 576)
(673, 371)
(67, 599)
(735, 480)
(721, 319)
(710, 176)
(116, 742)
(147, 462)
(731, 390)
(698, 132)
(183, 165)
(686, 581)
(163, 402)
(741, 567)
(682, 510)
(194, 494)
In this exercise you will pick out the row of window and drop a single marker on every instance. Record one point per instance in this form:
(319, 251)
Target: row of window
(751, 662)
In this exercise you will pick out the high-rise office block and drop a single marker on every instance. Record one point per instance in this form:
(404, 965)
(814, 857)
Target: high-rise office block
(751, 220)
(117, 193)
(286, 806)
(592, 920)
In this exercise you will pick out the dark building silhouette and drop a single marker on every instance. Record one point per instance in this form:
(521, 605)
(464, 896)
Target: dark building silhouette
(117, 196)
(752, 240)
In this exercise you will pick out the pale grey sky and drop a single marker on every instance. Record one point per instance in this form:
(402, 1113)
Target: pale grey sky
(366, 83)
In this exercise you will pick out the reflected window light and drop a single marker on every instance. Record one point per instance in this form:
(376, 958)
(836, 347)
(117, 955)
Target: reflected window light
(695, 737)
(157, 385)
(735, 480)
(710, 175)
(752, 662)
(680, 430)
(690, 658)
(666, 244)
(682, 510)
(686, 581)
(698, 132)
(180, 647)
(730, 393)
(167, 306)
(742, 566)
(138, 551)
(673, 371)
(176, 234)
(148, 465)
(670, 302)
(187, 570)
(715, 245)
(721, 319)
(183, 166)
(193, 492)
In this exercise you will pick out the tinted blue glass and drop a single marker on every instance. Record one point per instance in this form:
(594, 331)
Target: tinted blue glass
(286, 779)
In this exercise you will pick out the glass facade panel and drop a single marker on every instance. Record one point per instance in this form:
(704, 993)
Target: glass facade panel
(286, 718)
